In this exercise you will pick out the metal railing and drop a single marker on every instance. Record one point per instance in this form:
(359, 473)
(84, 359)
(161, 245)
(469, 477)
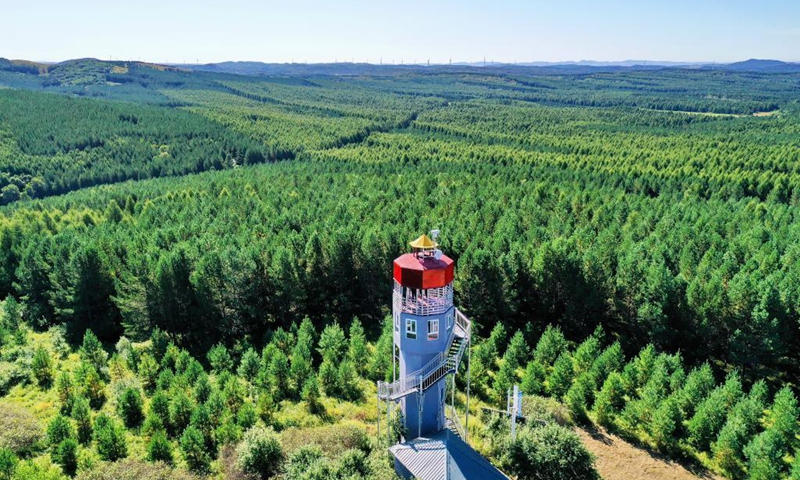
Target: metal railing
(453, 417)
(439, 366)
(433, 301)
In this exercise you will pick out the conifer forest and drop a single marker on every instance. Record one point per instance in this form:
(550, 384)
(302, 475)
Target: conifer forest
(196, 266)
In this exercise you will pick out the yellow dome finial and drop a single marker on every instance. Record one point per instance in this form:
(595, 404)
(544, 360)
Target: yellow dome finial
(424, 242)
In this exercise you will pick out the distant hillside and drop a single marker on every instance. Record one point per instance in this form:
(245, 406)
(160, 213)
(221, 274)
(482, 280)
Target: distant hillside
(762, 66)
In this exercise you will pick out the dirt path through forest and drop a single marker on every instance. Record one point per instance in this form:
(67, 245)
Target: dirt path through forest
(619, 460)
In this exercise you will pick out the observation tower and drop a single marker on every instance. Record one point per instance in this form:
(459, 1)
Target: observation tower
(431, 338)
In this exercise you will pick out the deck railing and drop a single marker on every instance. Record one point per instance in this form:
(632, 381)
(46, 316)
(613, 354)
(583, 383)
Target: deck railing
(432, 301)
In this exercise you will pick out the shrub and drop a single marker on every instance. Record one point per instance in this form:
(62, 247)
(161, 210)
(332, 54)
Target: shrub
(352, 464)
(544, 409)
(550, 452)
(40, 468)
(159, 449)
(20, 431)
(302, 460)
(130, 469)
(332, 439)
(194, 451)
(260, 453)
(131, 407)
(11, 374)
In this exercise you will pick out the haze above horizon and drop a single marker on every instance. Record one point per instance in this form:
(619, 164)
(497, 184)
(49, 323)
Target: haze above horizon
(412, 32)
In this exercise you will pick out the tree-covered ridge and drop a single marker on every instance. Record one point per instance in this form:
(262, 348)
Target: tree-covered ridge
(84, 142)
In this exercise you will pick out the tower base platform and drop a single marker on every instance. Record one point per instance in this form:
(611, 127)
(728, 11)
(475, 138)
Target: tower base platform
(442, 456)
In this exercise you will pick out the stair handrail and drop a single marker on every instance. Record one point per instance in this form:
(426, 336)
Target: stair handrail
(418, 378)
(453, 417)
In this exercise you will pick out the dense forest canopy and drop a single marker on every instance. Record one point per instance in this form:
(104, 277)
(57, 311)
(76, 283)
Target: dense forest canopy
(659, 205)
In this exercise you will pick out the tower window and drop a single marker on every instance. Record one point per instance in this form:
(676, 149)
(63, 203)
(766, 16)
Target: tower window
(397, 323)
(411, 329)
(433, 329)
(449, 320)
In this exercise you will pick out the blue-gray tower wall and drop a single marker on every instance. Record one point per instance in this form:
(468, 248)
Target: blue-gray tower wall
(415, 353)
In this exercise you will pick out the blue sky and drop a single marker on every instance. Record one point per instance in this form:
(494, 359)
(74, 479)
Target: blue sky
(413, 30)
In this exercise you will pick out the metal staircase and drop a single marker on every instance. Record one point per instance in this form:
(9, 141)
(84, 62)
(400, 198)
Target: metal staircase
(441, 365)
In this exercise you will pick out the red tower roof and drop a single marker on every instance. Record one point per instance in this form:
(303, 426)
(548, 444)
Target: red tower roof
(423, 272)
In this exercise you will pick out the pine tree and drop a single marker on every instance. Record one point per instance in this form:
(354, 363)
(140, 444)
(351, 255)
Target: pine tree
(332, 343)
(131, 407)
(159, 449)
(517, 351)
(710, 416)
(194, 450)
(699, 383)
(740, 427)
(66, 455)
(42, 367)
(609, 400)
(92, 352)
(358, 353)
(59, 429)
(551, 344)
(578, 396)
(110, 439)
(83, 420)
(783, 416)
(665, 423)
(610, 360)
(765, 456)
(219, 359)
(533, 380)
(248, 368)
(180, 412)
(560, 379)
